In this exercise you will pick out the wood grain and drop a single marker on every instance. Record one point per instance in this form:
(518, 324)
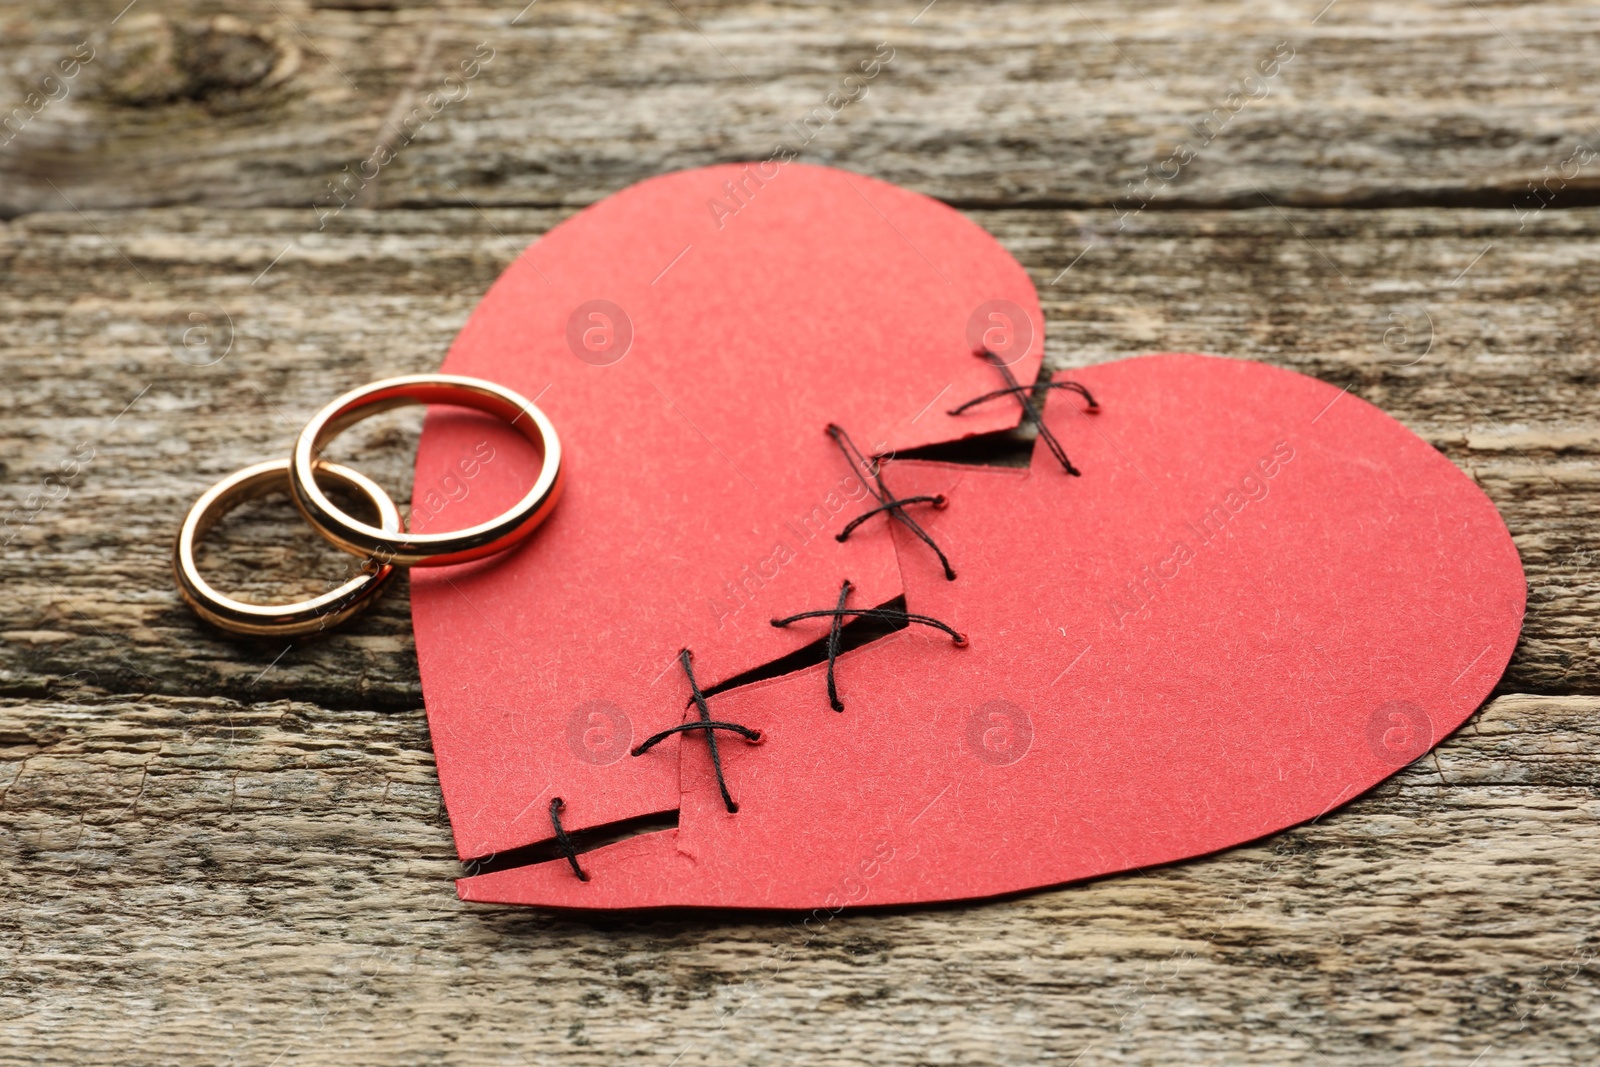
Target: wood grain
(998, 104)
(271, 880)
(230, 851)
(1504, 366)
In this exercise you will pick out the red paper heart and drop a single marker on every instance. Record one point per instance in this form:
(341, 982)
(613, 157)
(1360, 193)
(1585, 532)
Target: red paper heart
(1261, 598)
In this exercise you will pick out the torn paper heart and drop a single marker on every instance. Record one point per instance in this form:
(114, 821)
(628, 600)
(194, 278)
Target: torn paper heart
(1261, 598)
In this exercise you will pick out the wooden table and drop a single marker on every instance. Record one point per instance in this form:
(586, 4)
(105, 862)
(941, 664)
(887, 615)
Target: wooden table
(218, 851)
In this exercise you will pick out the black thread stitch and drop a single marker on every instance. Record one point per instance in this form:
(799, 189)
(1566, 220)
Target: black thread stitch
(884, 614)
(706, 724)
(871, 472)
(564, 840)
(1024, 394)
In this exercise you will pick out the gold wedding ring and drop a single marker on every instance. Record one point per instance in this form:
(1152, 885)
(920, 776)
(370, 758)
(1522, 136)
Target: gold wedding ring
(437, 549)
(306, 616)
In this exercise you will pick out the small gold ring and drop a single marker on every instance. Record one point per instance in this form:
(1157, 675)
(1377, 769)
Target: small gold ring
(306, 616)
(436, 549)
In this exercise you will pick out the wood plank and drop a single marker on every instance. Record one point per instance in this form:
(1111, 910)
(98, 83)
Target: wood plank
(1507, 390)
(184, 876)
(982, 104)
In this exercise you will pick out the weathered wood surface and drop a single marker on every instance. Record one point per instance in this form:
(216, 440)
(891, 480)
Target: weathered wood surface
(269, 883)
(232, 851)
(993, 103)
(1503, 378)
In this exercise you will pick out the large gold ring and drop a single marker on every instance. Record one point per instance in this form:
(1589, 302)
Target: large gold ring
(306, 616)
(436, 549)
